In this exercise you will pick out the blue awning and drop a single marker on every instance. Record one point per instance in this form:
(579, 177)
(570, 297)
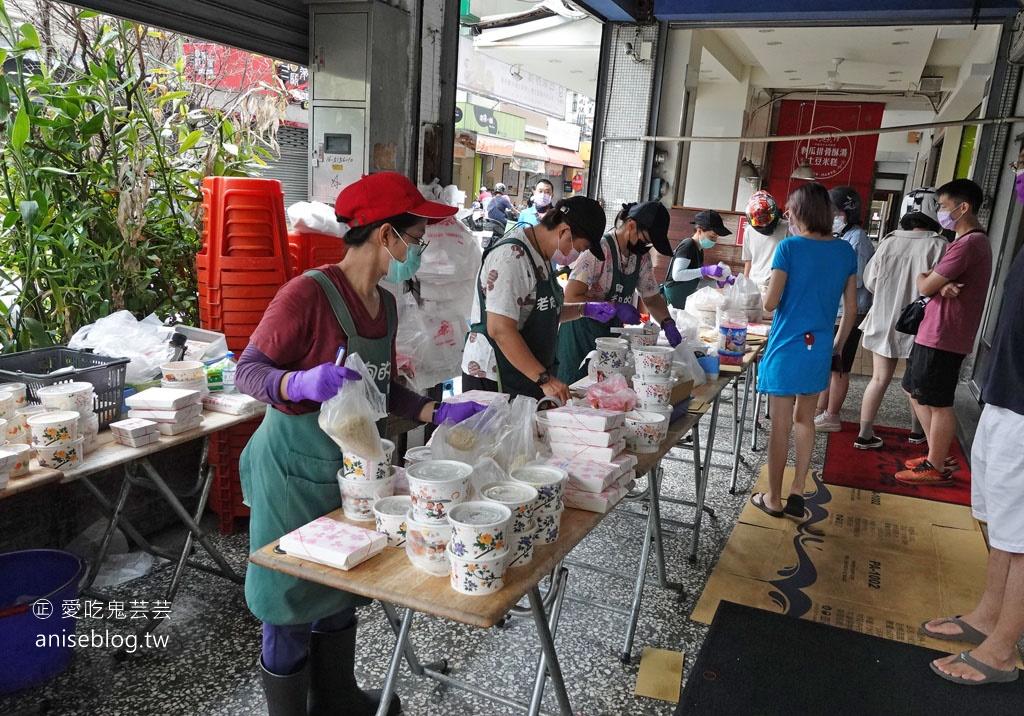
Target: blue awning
(845, 12)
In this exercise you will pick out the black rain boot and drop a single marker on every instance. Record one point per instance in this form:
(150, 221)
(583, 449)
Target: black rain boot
(286, 695)
(333, 690)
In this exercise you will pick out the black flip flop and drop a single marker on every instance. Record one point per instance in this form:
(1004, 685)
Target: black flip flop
(759, 504)
(794, 506)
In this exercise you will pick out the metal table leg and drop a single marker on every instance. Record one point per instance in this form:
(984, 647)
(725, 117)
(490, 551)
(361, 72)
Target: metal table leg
(558, 587)
(702, 486)
(388, 692)
(757, 406)
(740, 416)
(547, 644)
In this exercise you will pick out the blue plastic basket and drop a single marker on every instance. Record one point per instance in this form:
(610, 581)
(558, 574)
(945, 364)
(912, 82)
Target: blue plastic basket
(34, 636)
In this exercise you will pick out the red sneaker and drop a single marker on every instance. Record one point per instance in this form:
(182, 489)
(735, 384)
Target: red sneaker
(951, 461)
(925, 474)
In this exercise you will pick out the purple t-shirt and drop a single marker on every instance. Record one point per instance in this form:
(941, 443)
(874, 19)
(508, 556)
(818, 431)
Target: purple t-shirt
(950, 324)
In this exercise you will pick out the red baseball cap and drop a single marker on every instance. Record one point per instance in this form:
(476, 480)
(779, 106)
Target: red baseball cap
(381, 196)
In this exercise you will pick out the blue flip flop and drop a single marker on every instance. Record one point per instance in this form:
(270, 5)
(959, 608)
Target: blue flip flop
(992, 675)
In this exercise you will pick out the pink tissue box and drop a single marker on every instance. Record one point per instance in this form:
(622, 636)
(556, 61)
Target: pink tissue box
(572, 416)
(626, 462)
(588, 475)
(484, 397)
(163, 399)
(169, 416)
(336, 544)
(597, 438)
(587, 452)
(184, 426)
(594, 501)
(133, 428)
(138, 442)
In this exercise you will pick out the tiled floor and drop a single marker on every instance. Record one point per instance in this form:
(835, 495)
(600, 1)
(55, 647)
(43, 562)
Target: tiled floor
(208, 664)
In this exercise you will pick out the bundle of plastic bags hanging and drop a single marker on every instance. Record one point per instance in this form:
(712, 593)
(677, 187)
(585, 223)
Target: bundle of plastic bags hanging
(350, 418)
(517, 444)
(429, 346)
(744, 296)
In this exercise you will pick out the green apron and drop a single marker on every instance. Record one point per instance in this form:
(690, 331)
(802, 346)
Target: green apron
(576, 338)
(540, 332)
(289, 478)
(676, 292)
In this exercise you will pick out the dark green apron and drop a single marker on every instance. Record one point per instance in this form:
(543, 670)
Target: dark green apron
(676, 292)
(576, 338)
(289, 478)
(540, 332)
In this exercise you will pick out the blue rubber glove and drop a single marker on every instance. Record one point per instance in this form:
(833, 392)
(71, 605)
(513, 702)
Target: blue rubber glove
(320, 383)
(671, 332)
(602, 312)
(456, 412)
(627, 313)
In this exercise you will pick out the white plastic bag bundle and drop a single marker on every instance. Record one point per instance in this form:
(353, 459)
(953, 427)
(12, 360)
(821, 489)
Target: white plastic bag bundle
(119, 335)
(314, 217)
(453, 255)
(703, 304)
(350, 417)
(744, 296)
(429, 348)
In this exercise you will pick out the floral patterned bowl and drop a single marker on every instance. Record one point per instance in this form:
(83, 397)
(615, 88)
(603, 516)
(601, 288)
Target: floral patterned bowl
(23, 453)
(436, 486)
(364, 468)
(653, 360)
(390, 514)
(54, 427)
(181, 371)
(522, 544)
(548, 480)
(645, 431)
(7, 405)
(479, 528)
(653, 390)
(484, 575)
(17, 391)
(547, 526)
(426, 545)
(359, 496)
(77, 396)
(517, 496)
(61, 456)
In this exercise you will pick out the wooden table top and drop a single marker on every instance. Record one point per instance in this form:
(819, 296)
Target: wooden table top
(390, 576)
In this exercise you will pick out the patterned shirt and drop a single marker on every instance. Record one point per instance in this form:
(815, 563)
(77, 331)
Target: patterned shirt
(509, 285)
(598, 274)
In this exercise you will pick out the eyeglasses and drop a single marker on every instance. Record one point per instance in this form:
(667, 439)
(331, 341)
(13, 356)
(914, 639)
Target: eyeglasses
(785, 215)
(1016, 166)
(416, 241)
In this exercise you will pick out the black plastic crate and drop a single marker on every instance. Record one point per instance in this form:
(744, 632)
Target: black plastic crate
(35, 368)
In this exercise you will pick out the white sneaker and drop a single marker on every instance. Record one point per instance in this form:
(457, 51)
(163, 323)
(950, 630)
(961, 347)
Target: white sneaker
(826, 423)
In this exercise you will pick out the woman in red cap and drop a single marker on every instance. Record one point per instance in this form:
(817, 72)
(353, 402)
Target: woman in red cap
(289, 467)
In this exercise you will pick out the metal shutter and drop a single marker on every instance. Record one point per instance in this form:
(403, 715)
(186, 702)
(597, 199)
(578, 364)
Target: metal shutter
(292, 169)
(276, 28)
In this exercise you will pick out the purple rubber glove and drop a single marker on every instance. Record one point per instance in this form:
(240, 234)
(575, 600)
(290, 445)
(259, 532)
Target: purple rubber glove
(602, 312)
(671, 332)
(712, 271)
(320, 383)
(727, 282)
(456, 412)
(627, 313)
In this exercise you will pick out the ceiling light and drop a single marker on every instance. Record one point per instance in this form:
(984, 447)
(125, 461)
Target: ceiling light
(575, 72)
(804, 172)
(789, 72)
(714, 78)
(794, 79)
(765, 30)
(903, 29)
(895, 80)
(773, 43)
(901, 42)
(896, 72)
(555, 62)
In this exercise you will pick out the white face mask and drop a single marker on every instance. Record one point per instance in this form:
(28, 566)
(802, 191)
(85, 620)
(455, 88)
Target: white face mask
(541, 200)
(838, 224)
(565, 259)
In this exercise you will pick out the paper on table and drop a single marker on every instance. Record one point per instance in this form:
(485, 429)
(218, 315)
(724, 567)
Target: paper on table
(334, 543)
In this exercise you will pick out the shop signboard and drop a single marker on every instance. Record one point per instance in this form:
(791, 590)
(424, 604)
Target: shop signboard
(484, 120)
(484, 75)
(836, 161)
(563, 134)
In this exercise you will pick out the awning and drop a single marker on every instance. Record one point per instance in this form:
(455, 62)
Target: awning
(495, 146)
(531, 150)
(565, 157)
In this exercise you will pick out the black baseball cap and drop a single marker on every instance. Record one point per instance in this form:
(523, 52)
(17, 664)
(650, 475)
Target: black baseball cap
(711, 220)
(586, 219)
(652, 217)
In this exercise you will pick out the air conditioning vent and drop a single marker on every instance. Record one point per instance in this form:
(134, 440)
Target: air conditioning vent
(931, 84)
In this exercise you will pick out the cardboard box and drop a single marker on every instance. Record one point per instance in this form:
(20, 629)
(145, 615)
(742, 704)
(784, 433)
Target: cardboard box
(587, 452)
(572, 416)
(163, 399)
(133, 428)
(681, 391)
(588, 475)
(138, 441)
(597, 438)
(176, 428)
(168, 416)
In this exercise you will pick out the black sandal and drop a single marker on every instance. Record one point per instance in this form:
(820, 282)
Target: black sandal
(759, 504)
(794, 505)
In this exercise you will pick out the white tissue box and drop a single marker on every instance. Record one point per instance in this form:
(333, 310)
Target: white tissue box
(336, 544)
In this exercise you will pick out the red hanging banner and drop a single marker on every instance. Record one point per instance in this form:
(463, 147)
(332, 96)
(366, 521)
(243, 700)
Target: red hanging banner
(839, 161)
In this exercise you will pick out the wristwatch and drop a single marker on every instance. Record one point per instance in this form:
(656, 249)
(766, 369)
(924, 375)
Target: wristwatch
(543, 378)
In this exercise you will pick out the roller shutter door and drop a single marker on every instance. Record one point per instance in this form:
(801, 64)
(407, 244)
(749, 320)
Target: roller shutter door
(292, 169)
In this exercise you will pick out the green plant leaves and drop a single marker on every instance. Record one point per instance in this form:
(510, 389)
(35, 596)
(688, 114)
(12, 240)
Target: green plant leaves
(19, 133)
(28, 210)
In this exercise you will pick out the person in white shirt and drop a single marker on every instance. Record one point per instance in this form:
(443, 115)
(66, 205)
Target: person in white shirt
(769, 228)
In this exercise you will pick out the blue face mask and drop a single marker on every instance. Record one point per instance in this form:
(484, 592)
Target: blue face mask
(706, 243)
(399, 271)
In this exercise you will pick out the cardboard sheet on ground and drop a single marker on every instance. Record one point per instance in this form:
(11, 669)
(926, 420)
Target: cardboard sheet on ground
(896, 510)
(660, 675)
(879, 566)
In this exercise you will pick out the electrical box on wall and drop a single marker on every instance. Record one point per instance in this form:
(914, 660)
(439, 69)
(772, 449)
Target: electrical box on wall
(359, 119)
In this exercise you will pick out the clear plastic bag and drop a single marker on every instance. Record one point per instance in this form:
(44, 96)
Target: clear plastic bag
(703, 304)
(315, 217)
(744, 296)
(517, 445)
(350, 417)
(120, 335)
(473, 438)
(685, 354)
(612, 394)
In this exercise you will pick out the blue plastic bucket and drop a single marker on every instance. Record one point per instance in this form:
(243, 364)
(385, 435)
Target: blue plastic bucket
(35, 584)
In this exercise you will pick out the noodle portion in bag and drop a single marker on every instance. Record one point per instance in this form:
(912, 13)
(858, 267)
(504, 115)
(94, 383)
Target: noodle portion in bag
(350, 417)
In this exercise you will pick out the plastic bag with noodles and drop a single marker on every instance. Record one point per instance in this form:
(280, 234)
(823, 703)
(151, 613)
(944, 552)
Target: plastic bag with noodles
(473, 438)
(517, 445)
(350, 418)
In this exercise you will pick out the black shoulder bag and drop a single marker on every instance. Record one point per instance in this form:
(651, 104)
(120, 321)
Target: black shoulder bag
(912, 315)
